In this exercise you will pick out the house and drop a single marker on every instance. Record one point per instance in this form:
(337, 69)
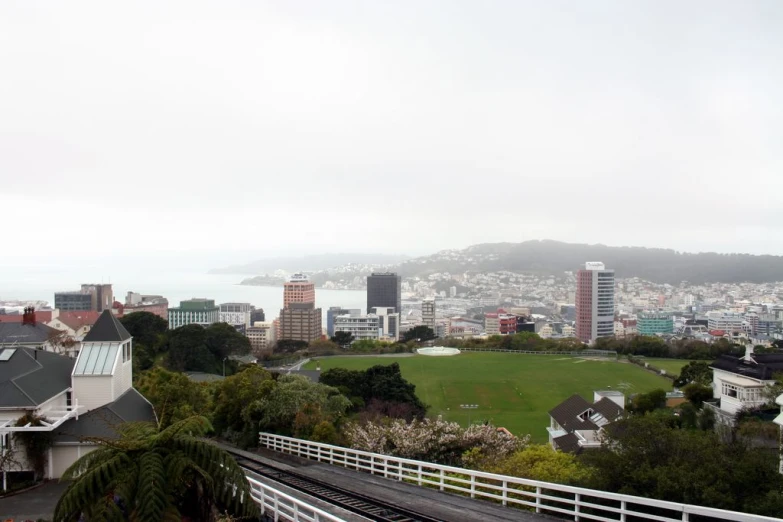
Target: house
(74, 398)
(738, 382)
(576, 424)
(27, 333)
(75, 324)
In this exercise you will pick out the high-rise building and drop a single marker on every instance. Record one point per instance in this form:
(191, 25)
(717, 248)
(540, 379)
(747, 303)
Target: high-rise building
(384, 289)
(298, 290)
(428, 313)
(237, 315)
(194, 311)
(300, 320)
(361, 327)
(594, 302)
(261, 336)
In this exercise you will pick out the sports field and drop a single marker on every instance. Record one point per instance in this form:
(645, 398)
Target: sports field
(672, 366)
(512, 390)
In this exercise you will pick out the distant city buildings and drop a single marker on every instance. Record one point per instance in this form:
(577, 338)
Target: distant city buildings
(261, 336)
(428, 313)
(594, 302)
(238, 315)
(95, 297)
(384, 289)
(389, 322)
(194, 311)
(361, 327)
(333, 312)
(300, 320)
(154, 304)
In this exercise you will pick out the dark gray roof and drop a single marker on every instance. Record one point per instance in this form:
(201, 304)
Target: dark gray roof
(31, 377)
(608, 408)
(101, 422)
(204, 377)
(19, 333)
(567, 414)
(762, 367)
(568, 443)
(107, 329)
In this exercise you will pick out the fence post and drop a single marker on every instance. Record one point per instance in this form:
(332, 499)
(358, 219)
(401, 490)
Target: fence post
(684, 516)
(419, 474)
(473, 486)
(505, 492)
(577, 498)
(623, 507)
(538, 499)
(331, 455)
(442, 476)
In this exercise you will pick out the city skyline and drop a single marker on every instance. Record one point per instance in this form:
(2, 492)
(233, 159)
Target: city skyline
(662, 113)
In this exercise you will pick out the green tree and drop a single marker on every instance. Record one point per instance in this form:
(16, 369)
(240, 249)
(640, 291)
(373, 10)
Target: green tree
(697, 394)
(420, 333)
(539, 462)
(698, 372)
(174, 395)
(146, 328)
(150, 475)
(234, 397)
(642, 403)
(222, 340)
(344, 339)
(187, 350)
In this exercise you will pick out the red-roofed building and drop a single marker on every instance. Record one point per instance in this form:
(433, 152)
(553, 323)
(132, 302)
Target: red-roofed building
(41, 316)
(75, 324)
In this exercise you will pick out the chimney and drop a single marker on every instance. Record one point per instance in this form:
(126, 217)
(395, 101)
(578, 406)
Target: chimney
(29, 316)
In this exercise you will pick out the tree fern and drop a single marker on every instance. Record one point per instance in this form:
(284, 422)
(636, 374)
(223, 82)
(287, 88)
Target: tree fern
(153, 475)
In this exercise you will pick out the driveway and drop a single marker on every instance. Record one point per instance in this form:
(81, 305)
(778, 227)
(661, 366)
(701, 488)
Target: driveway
(34, 504)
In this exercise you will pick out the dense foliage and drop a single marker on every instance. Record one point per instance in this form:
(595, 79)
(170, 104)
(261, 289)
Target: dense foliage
(174, 395)
(150, 475)
(380, 389)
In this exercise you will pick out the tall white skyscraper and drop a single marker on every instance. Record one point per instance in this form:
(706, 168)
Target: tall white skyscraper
(594, 302)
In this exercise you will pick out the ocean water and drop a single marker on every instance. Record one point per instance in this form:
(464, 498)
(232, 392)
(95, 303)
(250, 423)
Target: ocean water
(42, 281)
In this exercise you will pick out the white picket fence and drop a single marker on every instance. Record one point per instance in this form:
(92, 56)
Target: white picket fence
(543, 497)
(280, 506)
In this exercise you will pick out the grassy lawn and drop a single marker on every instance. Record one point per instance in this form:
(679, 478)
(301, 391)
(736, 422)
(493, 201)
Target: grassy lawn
(514, 391)
(672, 366)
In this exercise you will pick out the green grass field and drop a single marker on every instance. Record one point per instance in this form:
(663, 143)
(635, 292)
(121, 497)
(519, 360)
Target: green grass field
(672, 366)
(512, 390)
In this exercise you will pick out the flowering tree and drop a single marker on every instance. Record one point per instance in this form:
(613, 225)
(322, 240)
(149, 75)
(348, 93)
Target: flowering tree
(431, 440)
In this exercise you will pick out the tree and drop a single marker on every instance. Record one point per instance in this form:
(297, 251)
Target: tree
(222, 340)
(344, 339)
(174, 396)
(149, 475)
(234, 398)
(146, 328)
(289, 346)
(698, 372)
(697, 394)
(36, 443)
(420, 333)
(646, 402)
(539, 462)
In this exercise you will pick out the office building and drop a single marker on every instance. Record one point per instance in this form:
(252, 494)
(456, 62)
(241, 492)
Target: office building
(154, 304)
(389, 322)
(361, 327)
(257, 315)
(194, 311)
(298, 290)
(300, 322)
(261, 336)
(428, 313)
(95, 297)
(333, 312)
(594, 302)
(384, 289)
(651, 323)
(724, 321)
(237, 315)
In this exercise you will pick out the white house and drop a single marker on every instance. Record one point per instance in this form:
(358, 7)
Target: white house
(739, 382)
(77, 398)
(575, 424)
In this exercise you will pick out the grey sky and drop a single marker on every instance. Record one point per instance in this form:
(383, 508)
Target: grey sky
(420, 125)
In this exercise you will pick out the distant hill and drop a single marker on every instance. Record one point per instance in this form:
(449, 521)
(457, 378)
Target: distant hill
(309, 263)
(553, 257)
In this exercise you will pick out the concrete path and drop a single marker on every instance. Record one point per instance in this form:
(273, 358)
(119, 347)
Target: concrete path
(34, 504)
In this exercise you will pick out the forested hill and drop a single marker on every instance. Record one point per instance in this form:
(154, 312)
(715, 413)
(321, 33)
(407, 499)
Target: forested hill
(553, 257)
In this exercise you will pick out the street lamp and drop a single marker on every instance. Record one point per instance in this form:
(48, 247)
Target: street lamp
(224, 366)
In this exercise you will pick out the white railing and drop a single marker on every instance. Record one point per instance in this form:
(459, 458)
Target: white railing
(543, 497)
(279, 506)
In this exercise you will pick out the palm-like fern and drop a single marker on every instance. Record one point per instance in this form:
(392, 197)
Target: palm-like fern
(153, 475)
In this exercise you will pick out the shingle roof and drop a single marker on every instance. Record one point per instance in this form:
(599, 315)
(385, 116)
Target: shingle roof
(11, 333)
(41, 316)
(568, 443)
(762, 367)
(107, 329)
(567, 414)
(76, 320)
(101, 422)
(31, 377)
(608, 408)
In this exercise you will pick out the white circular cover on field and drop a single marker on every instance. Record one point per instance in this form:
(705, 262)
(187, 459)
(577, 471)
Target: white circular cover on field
(438, 351)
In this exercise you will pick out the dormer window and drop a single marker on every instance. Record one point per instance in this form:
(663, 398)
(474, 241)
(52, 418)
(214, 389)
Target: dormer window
(586, 414)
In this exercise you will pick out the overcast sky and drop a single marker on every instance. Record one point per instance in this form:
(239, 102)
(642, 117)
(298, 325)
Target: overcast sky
(405, 126)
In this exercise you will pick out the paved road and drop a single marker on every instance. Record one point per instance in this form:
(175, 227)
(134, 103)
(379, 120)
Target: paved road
(37, 503)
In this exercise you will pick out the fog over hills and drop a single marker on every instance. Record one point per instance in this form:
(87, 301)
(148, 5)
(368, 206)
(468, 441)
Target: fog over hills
(546, 257)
